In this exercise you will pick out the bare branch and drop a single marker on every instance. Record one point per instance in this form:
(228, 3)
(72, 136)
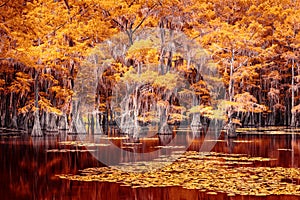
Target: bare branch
(141, 22)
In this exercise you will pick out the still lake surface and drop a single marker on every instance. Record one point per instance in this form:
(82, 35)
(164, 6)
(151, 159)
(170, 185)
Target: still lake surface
(29, 165)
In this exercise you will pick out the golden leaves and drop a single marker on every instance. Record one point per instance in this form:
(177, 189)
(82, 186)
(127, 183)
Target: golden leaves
(144, 51)
(168, 81)
(252, 37)
(45, 104)
(21, 85)
(244, 102)
(176, 117)
(296, 109)
(201, 109)
(61, 93)
(2, 82)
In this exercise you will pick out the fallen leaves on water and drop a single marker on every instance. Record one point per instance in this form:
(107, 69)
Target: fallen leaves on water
(207, 172)
(285, 149)
(68, 150)
(83, 144)
(132, 143)
(242, 141)
(215, 140)
(268, 128)
(147, 139)
(170, 147)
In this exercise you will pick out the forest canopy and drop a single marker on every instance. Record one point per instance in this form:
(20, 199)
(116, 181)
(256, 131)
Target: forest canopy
(45, 46)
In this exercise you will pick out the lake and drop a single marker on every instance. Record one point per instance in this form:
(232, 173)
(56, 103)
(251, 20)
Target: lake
(34, 168)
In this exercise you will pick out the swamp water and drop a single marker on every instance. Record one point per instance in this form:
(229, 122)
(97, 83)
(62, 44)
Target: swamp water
(260, 163)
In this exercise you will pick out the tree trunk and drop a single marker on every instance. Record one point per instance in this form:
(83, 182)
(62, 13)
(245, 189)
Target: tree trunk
(63, 122)
(98, 129)
(231, 130)
(170, 47)
(51, 123)
(196, 120)
(231, 81)
(162, 51)
(136, 108)
(231, 126)
(36, 131)
(293, 122)
(163, 111)
(126, 121)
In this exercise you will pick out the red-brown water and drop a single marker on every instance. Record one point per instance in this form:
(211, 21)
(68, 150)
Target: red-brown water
(27, 170)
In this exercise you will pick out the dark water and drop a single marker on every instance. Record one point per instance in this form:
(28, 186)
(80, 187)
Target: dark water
(28, 168)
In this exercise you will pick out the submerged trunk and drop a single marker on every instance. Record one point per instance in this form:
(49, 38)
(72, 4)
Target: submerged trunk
(164, 127)
(36, 130)
(74, 115)
(136, 108)
(80, 125)
(77, 124)
(231, 130)
(197, 131)
(13, 123)
(163, 112)
(126, 121)
(98, 129)
(196, 118)
(63, 122)
(51, 123)
(130, 113)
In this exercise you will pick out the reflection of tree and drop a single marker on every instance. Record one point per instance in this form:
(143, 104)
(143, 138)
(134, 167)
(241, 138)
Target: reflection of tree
(230, 145)
(199, 130)
(29, 171)
(165, 139)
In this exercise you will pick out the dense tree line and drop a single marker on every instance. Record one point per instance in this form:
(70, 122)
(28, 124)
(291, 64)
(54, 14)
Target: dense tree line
(47, 45)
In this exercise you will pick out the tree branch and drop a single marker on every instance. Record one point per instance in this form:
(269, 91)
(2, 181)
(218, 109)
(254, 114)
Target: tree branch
(129, 5)
(4, 3)
(63, 24)
(142, 21)
(67, 4)
(6, 59)
(118, 23)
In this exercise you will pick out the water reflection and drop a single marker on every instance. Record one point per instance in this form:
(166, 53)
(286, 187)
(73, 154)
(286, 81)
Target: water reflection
(28, 170)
